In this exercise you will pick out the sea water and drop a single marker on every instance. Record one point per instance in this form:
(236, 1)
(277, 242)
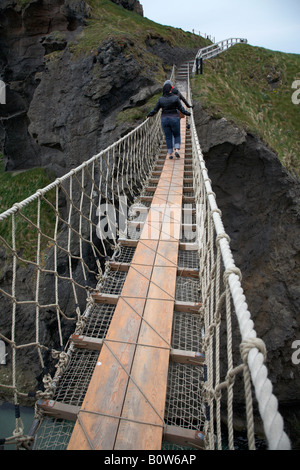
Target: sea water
(8, 421)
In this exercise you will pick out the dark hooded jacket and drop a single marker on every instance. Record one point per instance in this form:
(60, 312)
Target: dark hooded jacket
(175, 91)
(169, 103)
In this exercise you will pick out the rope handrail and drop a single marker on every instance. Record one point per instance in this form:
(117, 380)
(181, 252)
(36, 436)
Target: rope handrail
(253, 350)
(68, 175)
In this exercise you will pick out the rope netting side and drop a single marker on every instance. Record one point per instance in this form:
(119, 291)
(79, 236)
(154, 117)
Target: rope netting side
(55, 246)
(234, 353)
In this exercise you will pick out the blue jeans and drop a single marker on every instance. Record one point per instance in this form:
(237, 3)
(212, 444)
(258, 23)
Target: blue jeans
(171, 128)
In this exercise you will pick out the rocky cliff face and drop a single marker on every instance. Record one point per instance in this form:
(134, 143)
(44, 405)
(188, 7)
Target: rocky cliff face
(61, 108)
(131, 5)
(260, 204)
(26, 37)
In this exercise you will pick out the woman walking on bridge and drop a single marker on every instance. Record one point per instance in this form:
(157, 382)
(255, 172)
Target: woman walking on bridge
(170, 120)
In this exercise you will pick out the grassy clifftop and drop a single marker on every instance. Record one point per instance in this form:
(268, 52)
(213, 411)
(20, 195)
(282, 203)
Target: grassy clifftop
(252, 87)
(108, 20)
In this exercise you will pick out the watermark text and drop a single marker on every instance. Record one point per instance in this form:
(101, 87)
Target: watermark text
(296, 354)
(2, 92)
(296, 94)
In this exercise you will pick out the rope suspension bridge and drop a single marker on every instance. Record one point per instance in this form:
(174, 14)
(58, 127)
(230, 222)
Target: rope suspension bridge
(154, 347)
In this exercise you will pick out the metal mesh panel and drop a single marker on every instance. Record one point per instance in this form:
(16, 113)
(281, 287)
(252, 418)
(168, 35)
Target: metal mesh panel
(53, 434)
(75, 381)
(187, 289)
(188, 259)
(113, 283)
(125, 254)
(184, 403)
(98, 321)
(147, 203)
(187, 332)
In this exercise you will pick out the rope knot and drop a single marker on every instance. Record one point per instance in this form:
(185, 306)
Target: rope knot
(18, 205)
(220, 236)
(250, 343)
(40, 192)
(233, 270)
(217, 211)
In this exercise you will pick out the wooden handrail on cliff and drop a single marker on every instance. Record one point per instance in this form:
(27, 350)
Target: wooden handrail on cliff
(214, 49)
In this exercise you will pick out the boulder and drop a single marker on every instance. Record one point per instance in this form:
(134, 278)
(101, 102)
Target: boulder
(131, 5)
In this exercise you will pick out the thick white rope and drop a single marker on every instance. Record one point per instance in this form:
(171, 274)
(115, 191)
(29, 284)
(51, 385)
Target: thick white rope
(268, 404)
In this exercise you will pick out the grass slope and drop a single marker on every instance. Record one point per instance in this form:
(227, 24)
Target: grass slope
(15, 187)
(252, 87)
(109, 20)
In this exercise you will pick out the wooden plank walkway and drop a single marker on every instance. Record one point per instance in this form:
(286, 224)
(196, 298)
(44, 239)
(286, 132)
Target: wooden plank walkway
(124, 404)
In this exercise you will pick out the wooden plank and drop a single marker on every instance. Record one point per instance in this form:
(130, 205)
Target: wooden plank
(187, 357)
(188, 272)
(150, 373)
(189, 307)
(188, 180)
(188, 189)
(179, 306)
(150, 189)
(189, 246)
(59, 410)
(146, 198)
(86, 342)
(140, 209)
(189, 227)
(144, 404)
(128, 242)
(124, 405)
(145, 253)
(184, 437)
(176, 355)
(188, 200)
(101, 298)
(123, 267)
(102, 406)
(163, 283)
(166, 254)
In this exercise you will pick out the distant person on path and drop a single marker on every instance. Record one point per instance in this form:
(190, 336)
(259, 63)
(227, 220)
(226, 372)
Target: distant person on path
(170, 120)
(175, 91)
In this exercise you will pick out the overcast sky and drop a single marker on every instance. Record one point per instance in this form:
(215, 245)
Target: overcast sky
(273, 24)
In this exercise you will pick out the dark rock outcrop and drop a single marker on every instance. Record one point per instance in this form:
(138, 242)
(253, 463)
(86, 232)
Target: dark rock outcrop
(27, 34)
(131, 5)
(85, 94)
